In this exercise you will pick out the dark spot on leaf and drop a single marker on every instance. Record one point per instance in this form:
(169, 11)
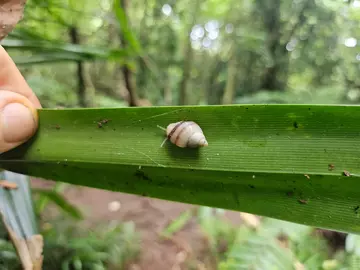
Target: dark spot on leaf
(247, 108)
(251, 186)
(102, 122)
(38, 150)
(236, 198)
(277, 133)
(57, 127)
(114, 129)
(295, 124)
(331, 166)
(290, 193)
(141, 175)
(127, 183)
(356, 209)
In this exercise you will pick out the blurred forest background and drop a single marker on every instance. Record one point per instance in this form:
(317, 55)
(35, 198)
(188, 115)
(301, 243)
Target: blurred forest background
(104, 53)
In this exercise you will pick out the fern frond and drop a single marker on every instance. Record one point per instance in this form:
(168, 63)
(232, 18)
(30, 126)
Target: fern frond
(257, 252)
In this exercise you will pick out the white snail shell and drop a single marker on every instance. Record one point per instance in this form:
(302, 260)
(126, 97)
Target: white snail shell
(186, 134)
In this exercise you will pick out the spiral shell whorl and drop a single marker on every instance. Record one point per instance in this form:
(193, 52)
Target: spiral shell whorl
(186, 134)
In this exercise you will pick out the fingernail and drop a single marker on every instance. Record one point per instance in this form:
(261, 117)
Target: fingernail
(17, 123)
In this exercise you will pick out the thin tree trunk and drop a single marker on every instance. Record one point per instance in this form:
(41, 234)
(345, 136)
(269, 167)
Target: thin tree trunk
(188, 57)
(272, 25)
(186, 72)
(211, 86)
(81, 88)
(276, 77)
(128, 75)
(208, 65)
(168, 92)
(229, 92)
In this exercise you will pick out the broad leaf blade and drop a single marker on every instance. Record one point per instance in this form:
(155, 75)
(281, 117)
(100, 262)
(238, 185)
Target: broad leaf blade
(271, 160)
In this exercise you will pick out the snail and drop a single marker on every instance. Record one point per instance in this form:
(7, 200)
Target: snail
(185, 134)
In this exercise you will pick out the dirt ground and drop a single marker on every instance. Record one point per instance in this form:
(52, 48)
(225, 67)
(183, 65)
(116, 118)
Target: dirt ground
(150, 216)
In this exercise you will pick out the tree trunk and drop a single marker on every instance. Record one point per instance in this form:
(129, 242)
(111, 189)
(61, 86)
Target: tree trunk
(186, 72)
(168, 91)
(276, 76)
(212, 85)
(188, 57)
(272, 25)
(81, 88)
(231, 80)
(128, 75)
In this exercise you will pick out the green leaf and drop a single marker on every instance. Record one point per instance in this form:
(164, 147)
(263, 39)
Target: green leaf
(177, 224)
(270, 160)
(48, 51)
(124, 26)
(59, 200)
(257, 252)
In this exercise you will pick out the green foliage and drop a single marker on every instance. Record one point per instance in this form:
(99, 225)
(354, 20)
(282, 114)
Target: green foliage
(275, 244)
(59, 200)
(46, 51)
(218, 232)
(49, 90)
(69, 247)
(8, 256)
(177, 224)
(286, 52)
(257, 252)
(301, 96)
(310, 47)
(124, 26)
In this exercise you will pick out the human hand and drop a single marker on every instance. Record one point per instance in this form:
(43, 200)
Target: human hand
(18, 106)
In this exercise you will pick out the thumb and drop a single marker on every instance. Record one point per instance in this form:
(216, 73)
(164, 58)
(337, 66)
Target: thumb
(18, 120)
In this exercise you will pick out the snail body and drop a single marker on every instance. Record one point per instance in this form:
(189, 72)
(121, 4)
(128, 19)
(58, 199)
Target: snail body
(185, 134)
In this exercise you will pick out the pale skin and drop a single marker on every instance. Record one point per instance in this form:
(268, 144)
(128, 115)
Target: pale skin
(18, 106)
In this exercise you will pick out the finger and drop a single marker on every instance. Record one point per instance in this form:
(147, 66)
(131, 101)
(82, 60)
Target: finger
(18, 120)
(12, 80)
